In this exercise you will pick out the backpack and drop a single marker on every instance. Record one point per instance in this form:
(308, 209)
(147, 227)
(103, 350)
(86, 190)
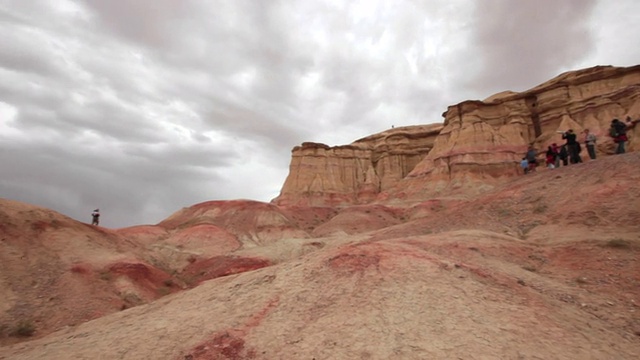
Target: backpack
(613, 132)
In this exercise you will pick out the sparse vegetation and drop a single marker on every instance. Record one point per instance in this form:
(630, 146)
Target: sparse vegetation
(24, 328)
(581, 280)
(163, 291)
(105, 275)
(131, 299)
(618, 243)
(524, 229)
(504, 212)
(540, 208)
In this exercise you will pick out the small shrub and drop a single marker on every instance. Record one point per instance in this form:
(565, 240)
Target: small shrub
(618, 244)
(581, 280)
(168, 283)
(540, 208)
(24, 328)
(504, 212)
(530, 268)
(163, 291)
(105, 275)
(131, 299)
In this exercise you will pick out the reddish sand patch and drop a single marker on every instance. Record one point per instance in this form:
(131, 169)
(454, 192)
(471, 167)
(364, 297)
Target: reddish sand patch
(143, 275)
(353, 262)
(200, 236)
(222, 266)
(81, 268)
(230, 344)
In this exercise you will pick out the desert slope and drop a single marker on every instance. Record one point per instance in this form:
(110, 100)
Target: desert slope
(56, 272)
(544, 266)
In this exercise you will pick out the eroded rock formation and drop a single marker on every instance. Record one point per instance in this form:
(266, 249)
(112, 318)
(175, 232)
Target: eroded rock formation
(479, 144)
(358, 172)
(483, 141)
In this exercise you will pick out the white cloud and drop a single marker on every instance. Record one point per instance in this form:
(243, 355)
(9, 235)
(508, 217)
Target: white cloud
(144, 107)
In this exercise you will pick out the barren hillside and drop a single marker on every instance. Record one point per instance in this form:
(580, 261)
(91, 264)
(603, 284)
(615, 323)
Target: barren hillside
(545, 266)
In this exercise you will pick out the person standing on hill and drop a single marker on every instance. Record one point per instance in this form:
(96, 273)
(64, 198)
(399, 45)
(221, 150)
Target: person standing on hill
(531, 158)
(551, 157)
(590, 141)
(572, 146)
(524, 164)
(618, 131)
(556, 149)
(95, 217)
(564, 155)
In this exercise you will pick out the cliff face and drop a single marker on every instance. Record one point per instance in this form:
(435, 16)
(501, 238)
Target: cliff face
(482, 142)
(355, 173)
(479, 144)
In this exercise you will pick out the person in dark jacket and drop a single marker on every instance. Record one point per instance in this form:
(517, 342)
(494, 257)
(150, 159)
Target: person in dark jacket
(619, 133)
(531, 158)
(550, 158)
(564, 155)
(572, 146)
(95, 217)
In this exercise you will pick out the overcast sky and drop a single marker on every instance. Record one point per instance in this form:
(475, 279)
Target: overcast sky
(143, 107)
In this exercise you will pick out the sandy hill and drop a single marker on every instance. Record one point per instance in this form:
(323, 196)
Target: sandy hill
(545, 266)
(55, 271)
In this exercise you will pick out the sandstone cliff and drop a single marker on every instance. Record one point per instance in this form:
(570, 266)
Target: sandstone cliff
(479, 144)
(483, 141)
(355, 173)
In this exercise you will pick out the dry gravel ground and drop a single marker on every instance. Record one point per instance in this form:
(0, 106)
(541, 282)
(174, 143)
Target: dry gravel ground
(544, 267)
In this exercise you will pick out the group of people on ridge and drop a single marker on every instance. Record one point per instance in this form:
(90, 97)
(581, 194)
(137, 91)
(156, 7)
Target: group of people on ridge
(570, 151)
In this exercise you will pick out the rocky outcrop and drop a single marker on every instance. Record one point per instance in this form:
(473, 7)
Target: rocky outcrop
(355, 173)
(483, 141)
(479, 145)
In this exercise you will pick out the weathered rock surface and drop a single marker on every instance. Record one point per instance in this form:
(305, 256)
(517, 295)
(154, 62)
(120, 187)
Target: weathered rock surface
(355, 173)
(252, 223)
(529, 273)
(538, 266)
(479, 145)
(482, 142)
(55, 271)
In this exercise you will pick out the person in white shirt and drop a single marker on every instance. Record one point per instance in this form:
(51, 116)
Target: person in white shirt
(590, 141)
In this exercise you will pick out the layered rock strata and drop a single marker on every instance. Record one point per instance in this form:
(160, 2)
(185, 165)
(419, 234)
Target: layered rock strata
(355, 173)
(479, 144)
(482, 142)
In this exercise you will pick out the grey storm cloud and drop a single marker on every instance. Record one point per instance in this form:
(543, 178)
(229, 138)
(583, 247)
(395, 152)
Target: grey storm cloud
(523, 42)
(143, 107)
